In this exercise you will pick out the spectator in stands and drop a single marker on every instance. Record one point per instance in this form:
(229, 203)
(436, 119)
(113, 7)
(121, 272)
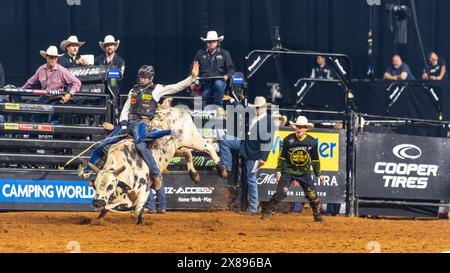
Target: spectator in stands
(71, 58)
(398, 71)
(52, 76)
(110, 46)
(251, 149)
(437, 66)
(159, 204)
(215, 62)
(322, 70)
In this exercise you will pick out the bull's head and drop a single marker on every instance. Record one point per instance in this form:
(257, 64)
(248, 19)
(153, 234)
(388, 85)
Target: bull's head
(107, 186)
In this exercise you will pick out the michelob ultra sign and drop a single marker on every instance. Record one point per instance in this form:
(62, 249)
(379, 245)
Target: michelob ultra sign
(328, 148)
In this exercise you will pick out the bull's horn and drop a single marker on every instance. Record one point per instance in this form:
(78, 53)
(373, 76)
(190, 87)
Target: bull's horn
(119, 171)
(94, 168)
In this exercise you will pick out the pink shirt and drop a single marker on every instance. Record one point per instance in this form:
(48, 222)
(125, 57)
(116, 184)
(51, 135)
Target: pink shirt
(54, 79)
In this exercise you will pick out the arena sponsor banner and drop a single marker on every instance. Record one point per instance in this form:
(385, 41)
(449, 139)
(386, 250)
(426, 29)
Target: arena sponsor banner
(184, 194)
(328, 147)
(50, 191)
(32, 191)
(392, 166)
(26, 194)
(331, 147)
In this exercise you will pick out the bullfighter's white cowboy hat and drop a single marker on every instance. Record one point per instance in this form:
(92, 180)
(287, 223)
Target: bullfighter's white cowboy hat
(302, 121)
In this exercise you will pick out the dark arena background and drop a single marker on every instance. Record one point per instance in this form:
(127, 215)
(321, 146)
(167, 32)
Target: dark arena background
(383, 143)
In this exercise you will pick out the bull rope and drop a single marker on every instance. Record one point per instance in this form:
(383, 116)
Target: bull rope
(89, 148)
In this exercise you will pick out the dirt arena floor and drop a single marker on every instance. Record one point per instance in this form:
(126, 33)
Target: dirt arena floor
(216, 232)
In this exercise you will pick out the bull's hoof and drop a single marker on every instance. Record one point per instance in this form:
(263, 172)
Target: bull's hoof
(139, 222)
(222, 171)
(194, 176)
(123, 208)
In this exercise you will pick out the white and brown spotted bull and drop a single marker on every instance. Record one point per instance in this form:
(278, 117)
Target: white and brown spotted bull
(123, 182)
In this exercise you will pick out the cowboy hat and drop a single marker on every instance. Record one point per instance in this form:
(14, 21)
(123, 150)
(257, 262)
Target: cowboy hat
(109, 40)
(212, 36)
(283, 119)
(72, 40)
(51, 51)
(302, 121)
(259, 102)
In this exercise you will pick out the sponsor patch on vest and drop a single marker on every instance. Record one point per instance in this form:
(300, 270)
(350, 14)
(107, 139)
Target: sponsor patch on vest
(147, 96)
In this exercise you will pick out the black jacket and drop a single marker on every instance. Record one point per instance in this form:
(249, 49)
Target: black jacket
(298, 155)
(214, 65)
(117, 61)
(251, 146)
(2, 76)
(67, 61)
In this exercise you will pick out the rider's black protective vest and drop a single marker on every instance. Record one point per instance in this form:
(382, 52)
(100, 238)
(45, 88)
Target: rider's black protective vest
(142, 102)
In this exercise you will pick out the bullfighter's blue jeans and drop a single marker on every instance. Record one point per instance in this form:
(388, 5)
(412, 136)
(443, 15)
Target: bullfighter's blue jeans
(227, 144)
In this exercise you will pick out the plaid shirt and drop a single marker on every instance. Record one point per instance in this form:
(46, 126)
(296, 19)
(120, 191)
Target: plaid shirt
(53, 79)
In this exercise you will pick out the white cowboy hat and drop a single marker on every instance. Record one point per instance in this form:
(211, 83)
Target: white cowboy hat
(302, 121)
(72, 40)
(51, 51)
(277, 115)
(109, 40)
(212, 36)
(259, 102)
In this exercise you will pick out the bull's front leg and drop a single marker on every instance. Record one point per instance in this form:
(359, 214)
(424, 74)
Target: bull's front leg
(140, 202)
(102, 215)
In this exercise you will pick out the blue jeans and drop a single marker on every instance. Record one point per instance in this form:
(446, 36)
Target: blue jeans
(252, 187)
(98, 153)
(227, 144)
(298, 207)
(139, 129)
(333, 209)
(160, 196)
(213, 92)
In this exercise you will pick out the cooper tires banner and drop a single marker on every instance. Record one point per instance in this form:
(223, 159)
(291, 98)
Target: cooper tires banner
(392, 166)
